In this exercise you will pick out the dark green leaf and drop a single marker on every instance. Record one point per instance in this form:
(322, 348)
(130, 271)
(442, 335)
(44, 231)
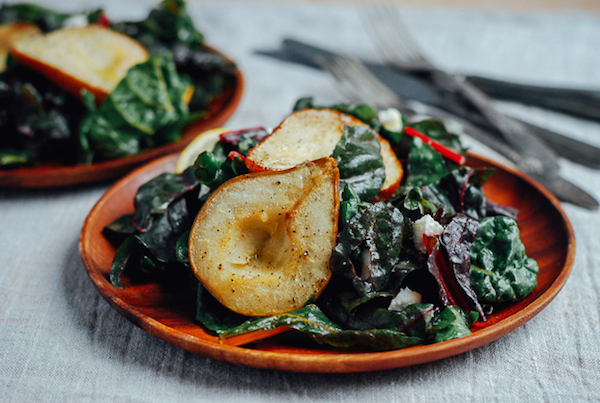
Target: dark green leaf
(360, 162)
(451, 323)
(425, 165)
(436, 130)
(122, 256)
(411, 321)
(500, 269)
(460, 192)
(309, 319)
(46, 19)
(161, 238)
(374, 339)
(451, 269)
(144, 110)
(13, 157)
(121, 228)
(349, 204)
(212, 171)
(155, 196)
(369, 247)
(182, 249)
(213, 315)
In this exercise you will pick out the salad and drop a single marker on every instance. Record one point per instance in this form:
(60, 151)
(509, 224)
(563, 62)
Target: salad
(61, 102)
(379, 240)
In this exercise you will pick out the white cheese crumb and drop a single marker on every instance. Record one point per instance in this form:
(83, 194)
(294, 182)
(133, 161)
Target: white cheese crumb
(405, 297)
(391, 119)
(76, 21)
(428, 226)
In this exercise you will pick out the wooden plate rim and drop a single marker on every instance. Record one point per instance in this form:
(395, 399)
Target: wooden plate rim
(325, 362)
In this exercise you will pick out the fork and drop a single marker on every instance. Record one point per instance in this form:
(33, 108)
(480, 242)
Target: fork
(358, 84)
(400, 50)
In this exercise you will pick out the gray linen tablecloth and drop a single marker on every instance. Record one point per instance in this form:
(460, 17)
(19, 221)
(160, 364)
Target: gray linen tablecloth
(60, 341)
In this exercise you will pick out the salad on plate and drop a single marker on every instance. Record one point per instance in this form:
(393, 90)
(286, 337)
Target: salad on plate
(353, 228)
(79, 88)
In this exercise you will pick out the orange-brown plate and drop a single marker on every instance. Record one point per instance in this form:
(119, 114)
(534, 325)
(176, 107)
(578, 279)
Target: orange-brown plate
(545, 231)
(54, 175)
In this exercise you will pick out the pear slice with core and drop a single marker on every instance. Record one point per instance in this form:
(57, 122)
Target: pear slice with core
(261, 243)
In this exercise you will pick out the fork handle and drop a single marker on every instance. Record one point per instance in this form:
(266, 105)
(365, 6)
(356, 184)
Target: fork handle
(577, 102)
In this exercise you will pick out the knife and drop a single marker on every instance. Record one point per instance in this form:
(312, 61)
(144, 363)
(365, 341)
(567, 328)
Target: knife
(409, 86)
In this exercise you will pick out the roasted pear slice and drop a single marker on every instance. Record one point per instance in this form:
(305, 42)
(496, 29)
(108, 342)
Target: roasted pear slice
(261, 243)
(91, 57)
(310, 134)
(11, 34)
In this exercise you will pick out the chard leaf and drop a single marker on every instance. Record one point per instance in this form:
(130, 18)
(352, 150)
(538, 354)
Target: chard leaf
(167, 24)
(13, 157)
(425, 165)
(450, 263)
(500, 269)
(349, 205)
(414, 205)
(308, 319)
(161, 238)
(360, 162)
(144, 110)
(374, 339)
(451, 323)
(242, 140)
(212, 171)
(369, 247)
(460, 192)
(121, 228)
(122, 256)
(213, 315)
(182, 251)
(46, 19)
(436, 130)
(155, 196)
(411, 321)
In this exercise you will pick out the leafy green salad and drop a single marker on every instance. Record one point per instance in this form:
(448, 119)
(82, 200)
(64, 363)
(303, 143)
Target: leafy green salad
(420, 267)
(42, 122)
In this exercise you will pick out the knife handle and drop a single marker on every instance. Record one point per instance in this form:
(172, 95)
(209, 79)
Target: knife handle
(577, 102)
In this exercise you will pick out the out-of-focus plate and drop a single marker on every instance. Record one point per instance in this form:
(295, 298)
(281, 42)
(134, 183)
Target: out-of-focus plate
(164, 313)
(54, 175)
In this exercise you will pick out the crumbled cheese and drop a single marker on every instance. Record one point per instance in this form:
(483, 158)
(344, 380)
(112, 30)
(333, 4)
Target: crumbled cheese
(76, 21)
(454, 127)
(391, 119)
(428, 226)
(405, 297)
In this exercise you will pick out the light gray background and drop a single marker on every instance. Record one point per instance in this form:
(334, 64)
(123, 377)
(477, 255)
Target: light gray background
(60, 341)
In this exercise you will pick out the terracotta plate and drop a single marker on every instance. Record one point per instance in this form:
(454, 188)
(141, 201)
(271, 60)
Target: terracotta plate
(164, 313)
(54, 175)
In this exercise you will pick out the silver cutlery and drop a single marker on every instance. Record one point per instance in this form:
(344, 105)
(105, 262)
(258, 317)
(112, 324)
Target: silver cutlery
(400, 50)
(358, 84)
(408, 86)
